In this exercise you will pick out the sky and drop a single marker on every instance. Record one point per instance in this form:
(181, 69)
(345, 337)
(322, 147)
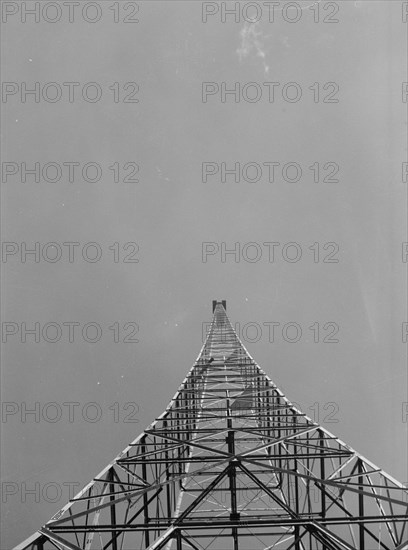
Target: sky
(182, 226)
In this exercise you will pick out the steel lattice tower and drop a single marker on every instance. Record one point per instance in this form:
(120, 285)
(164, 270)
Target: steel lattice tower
(232, 464)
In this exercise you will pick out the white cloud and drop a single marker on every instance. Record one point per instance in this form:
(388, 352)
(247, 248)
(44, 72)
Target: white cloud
(251, 44)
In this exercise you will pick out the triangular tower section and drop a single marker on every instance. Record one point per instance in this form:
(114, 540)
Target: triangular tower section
(231, 464)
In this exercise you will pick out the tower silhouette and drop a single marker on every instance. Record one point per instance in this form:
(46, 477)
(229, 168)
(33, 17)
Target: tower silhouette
(231, 464)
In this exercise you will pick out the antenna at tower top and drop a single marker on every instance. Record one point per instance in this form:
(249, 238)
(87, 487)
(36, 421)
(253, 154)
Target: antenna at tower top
(215, 302)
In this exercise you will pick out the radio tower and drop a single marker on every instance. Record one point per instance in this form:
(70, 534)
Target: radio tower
(231, 464)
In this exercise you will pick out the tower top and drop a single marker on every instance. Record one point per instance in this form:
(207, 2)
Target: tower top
(223, 303)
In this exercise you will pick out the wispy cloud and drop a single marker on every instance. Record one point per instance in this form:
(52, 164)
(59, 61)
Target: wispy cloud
(251, 44)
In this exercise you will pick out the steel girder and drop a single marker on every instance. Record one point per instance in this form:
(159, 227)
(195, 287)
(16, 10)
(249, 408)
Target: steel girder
(232, 464)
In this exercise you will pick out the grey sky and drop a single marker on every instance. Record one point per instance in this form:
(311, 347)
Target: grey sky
(170, 212)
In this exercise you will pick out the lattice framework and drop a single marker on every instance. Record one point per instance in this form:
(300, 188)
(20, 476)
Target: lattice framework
(232, 464)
